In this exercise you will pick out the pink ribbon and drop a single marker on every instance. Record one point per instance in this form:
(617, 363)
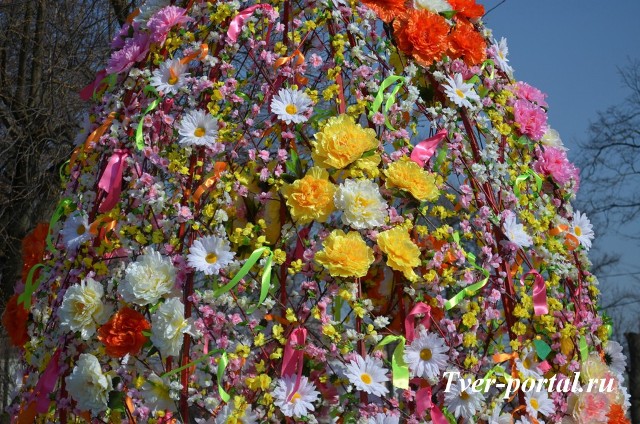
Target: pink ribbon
(235, 28)
(88, 92)
(111, 180)
(540, 305)
(47, 383)
(423, 404)
(425, 149)
(292, 358)
(409, 326)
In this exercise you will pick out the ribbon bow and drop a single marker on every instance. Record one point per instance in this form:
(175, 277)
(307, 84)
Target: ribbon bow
(425, 149)
(540, 304)
(111, 180)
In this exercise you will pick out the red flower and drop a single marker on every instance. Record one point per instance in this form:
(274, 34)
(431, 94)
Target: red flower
(386, 10)
(616, 415)
(423, 35)
(14, 320)
(467, 43)
(122, 334)
(467, 8)
(33, 246)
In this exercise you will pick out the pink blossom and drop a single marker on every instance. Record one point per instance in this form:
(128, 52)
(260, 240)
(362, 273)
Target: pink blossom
(163, 20)
(554, 162)
(530, 118)
(134, 50)
(527, 92)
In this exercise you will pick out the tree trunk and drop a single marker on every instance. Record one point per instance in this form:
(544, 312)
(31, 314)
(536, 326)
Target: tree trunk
(633, 340)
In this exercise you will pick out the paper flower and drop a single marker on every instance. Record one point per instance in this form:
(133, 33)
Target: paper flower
(123, 333)
(83, 309)
(168, 326)
(311, 197)
(345, 255)
(361, 204)
(515, 232)
(341, 142)
(367, 375)
(409, 176)
(210, 254)
(147, 279)
(88, 385)
(296, 403)
(291, 105)
(402, 253)
(435, 6)
(538, 402)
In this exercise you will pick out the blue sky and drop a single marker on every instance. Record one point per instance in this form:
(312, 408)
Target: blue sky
(572, 49)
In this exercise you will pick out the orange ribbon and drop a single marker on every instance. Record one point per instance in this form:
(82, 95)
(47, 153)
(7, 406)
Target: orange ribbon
(570, 241)
(93, 138)
(201, 53)
(218, 169)
(299, 60)
(102, 226)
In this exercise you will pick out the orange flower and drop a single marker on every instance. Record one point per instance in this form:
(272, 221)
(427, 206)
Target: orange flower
(14, 320)
(386, 10)
(423, 35)
(33, 246)
(467, 8)
(467, 43)
(122, 334)
(616, 415)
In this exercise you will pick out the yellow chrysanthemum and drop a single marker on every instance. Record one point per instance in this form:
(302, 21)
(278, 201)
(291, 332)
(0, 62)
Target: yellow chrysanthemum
(310, 198)
(341, 142)
(409, 176)
(402, 253)
(345, 255)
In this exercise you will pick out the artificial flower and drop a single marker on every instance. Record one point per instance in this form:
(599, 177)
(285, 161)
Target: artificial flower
(210, 254)
(423, 35)
(402, 253)
(368, 375)
(527, 365)
(295, 404)
(515, 232)
(14, 320)
(291, 106)
(75, 230)
(538, 402)
(134, 50)
(147, 279)
(386, 10)
(527, 92)
(467, 8)
(459, 92)
(345, 255)
(499, 52)
(163, 20)
(465, 42)
(614, 357)
(552, 138)
(83, 308)
(530, 119)
(554, 162)
(311, 197)
(361, 204)
(123, 333)
(582, 229)
(168, 327)
(169, 77)
(198, 128)
(435, 6)
(149, 8)
(156, 394)
(463, 403)
(341, 142)
(88, 385)
(586, 407)
(381, 418)
(33, 248)
(426, 355)
(409, 176)
(229, 413)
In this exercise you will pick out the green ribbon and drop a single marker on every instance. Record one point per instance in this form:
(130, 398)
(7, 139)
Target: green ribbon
(542, 349)
(377, 103)
(139, 138)
(469, 290)
(29, 287)
(584, 349)
(222, 366)
(192, 363)
(57, 214)
(497, 370)
(525, 176)
(266, 276)
(399, 368)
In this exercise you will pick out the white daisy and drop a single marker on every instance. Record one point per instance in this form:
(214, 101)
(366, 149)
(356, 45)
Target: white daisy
(539, 402)
(75, 230)
(361, 204)
(498, 418)
(463, 403)
(210, 254)
(426, 355)
(295, 404)
(291, 105)
(499, 52)
(198, 128)
(614, 357)
(515, 232)
(459, 92)
(169, 77)
(381, 418)
(581, 228)
(247, 417)
(528, 366)
(435, 6)
(368, 375)
(525, 420)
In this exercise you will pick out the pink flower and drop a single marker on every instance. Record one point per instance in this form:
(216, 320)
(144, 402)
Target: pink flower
(526, 92)
(554, 162)
(590, 407)
(165, 19)
(530, 118)
(134, 50)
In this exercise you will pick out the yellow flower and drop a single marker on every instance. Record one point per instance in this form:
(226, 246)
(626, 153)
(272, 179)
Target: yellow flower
(341, 142)
(409, 176)
(310, 198)
(345, 255)
(402, 253)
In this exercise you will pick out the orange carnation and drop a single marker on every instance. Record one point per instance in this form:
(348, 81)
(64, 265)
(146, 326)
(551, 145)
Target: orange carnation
(122, 334)
(467, 8)
(14, 319)
(467, 43)
(33, 245)
(386, 10)
(616, 415)
(423, 35)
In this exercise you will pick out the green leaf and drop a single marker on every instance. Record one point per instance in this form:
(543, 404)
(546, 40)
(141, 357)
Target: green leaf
(449, 14)
(116, 401)
(542, 349)
(369, 153)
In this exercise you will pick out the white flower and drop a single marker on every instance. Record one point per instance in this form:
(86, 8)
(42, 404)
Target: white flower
(361, 204)
(499, 51)
(381, 418)
(298, 403)
(155, 392)
(198, 128)
(528, 366)
(552, 138)
(169, 77)
(515, 232)
(149, 8)
(83, 309)
(435, 6)
(247, 417)
(581, 228)
(460, 92)
(168, 326)
(426, 355)
(498, 418)
(463, 403)
(614, 357)
(291, 105)
(147, 279)
(210, 254)
(539, 402)
(368, 375)
(75, 230)
(88, 386)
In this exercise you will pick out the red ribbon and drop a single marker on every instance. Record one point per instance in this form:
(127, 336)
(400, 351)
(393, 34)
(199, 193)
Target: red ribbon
(235, 28)
(423, 403)
(425, 149)
(292, 358)
(111, 180)
(409, 326)
(540, 304)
